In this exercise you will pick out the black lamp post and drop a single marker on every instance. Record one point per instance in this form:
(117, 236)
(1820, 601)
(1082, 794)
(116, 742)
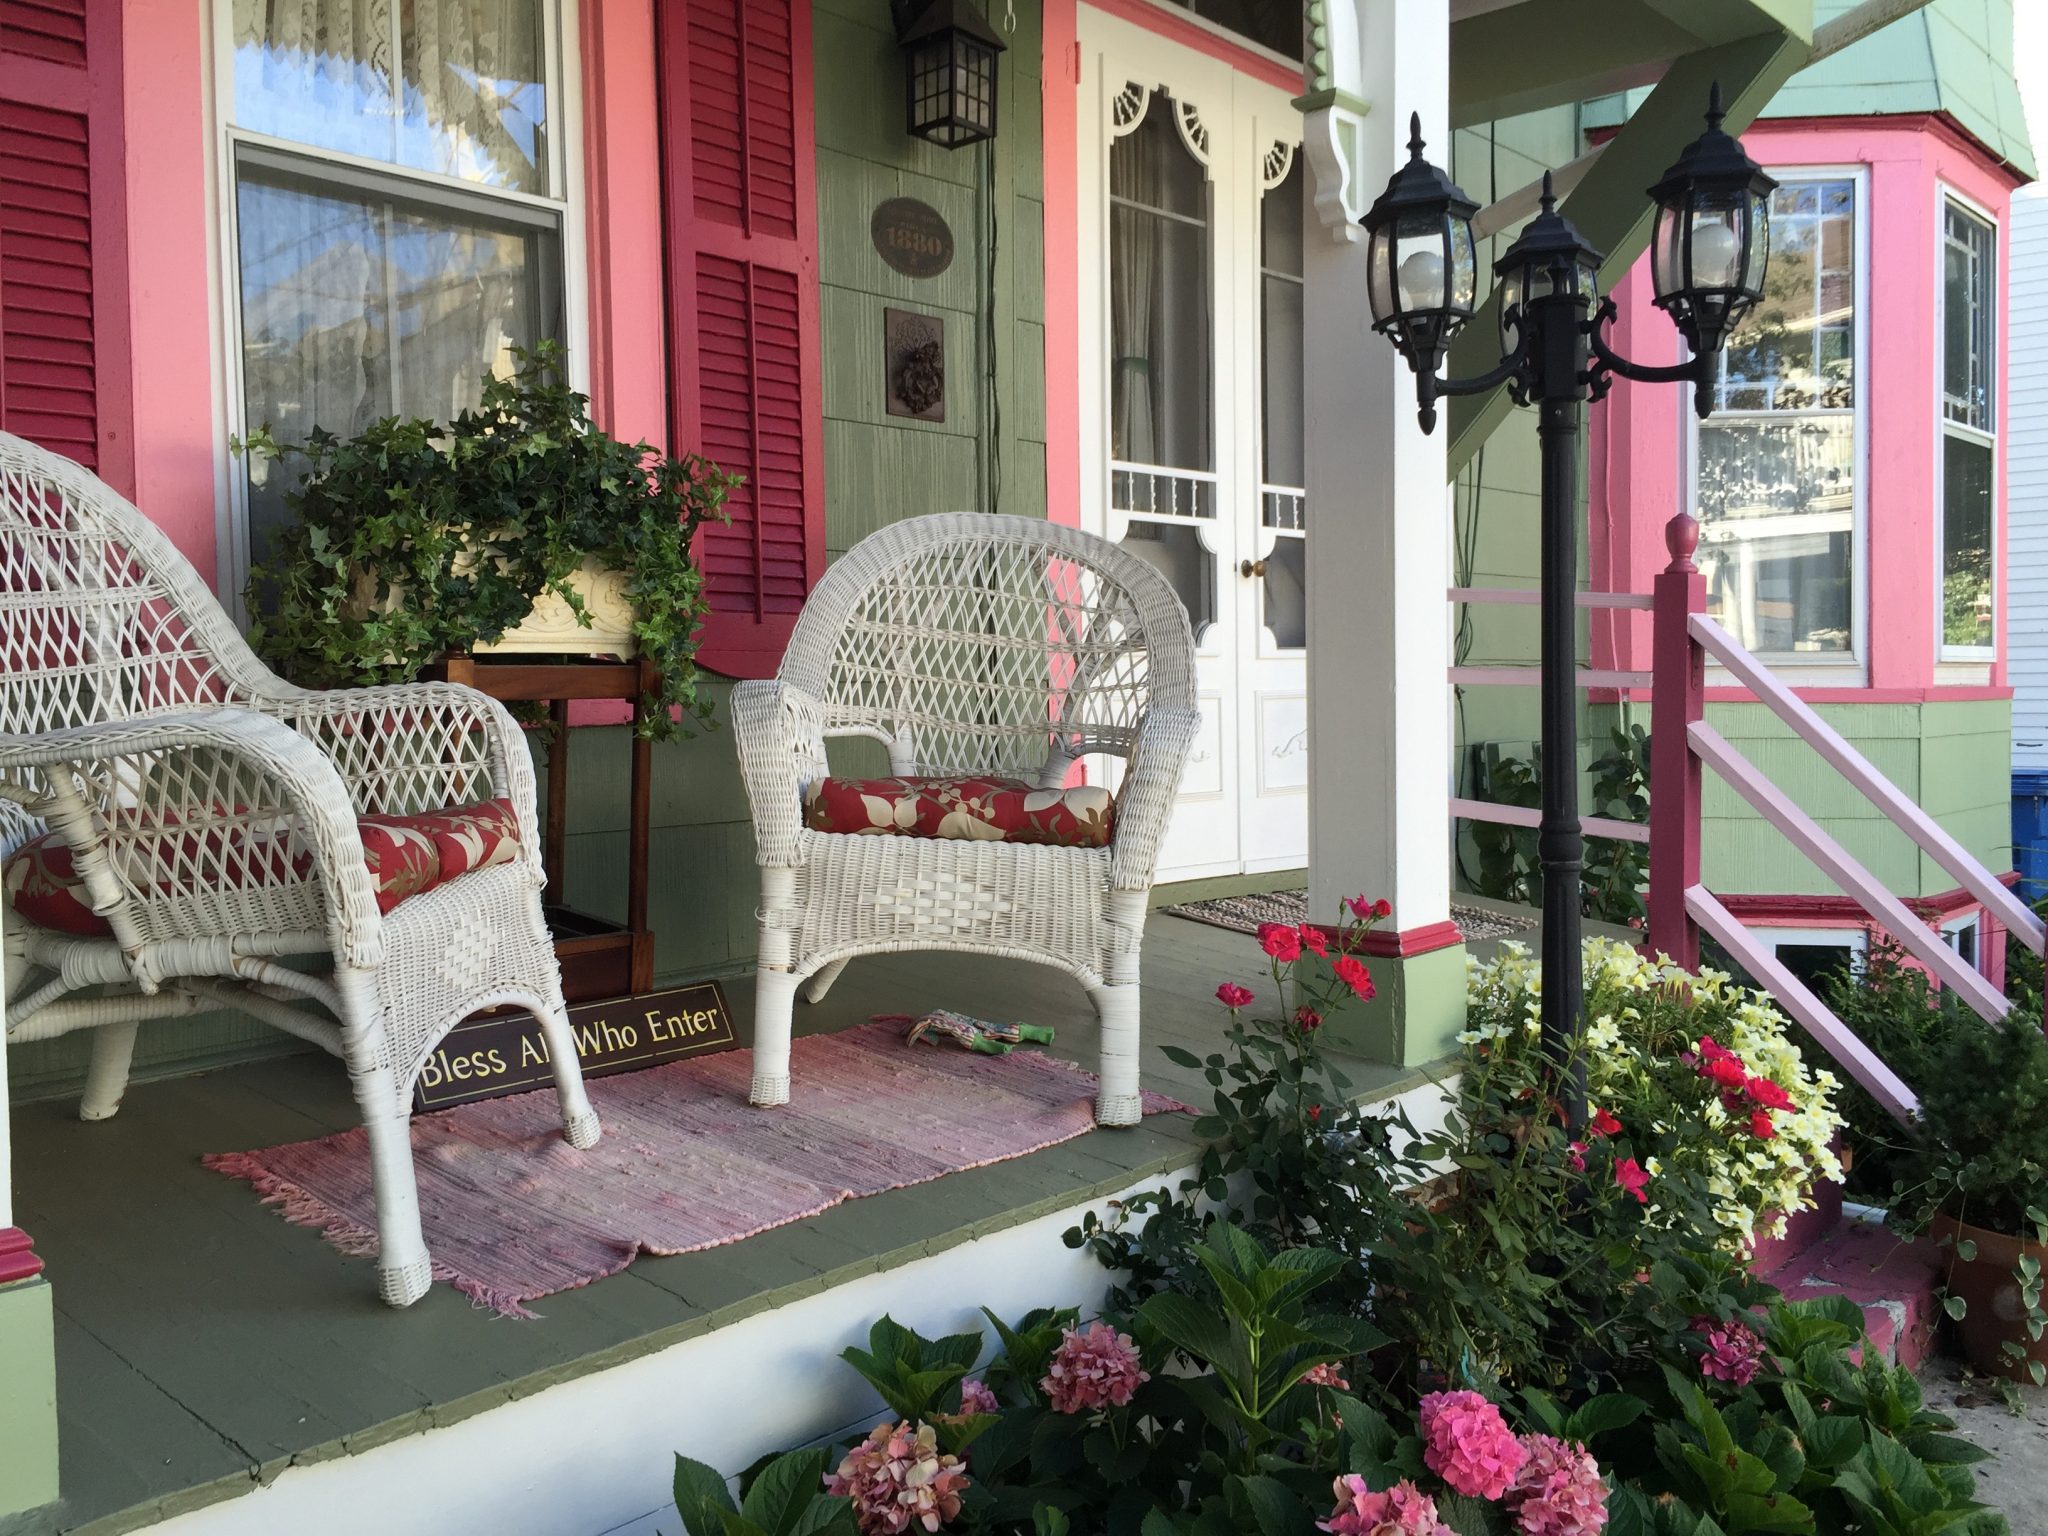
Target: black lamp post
(1712, 244)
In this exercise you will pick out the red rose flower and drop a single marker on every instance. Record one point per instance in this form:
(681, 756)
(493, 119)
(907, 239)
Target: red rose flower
(1315, 1113)
(1630, 1175)
(1352, 972)
(1604, 1124)
(1231, 995)
(1760, 1125)
(1307, 1020)
(1312, 938)
(1577, 1161)
(1280, 941)
(1383, 908)
(1725, 1070)
(1767, 1093)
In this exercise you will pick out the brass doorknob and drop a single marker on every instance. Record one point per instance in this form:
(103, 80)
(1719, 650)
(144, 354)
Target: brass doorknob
(1251, 568)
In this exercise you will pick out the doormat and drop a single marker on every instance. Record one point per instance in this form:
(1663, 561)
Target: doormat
(512, 1212)
(1243, 914)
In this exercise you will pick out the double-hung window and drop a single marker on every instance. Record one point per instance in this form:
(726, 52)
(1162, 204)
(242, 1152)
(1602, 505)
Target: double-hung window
(1969, 267)
(1778, 466)
(396, 173)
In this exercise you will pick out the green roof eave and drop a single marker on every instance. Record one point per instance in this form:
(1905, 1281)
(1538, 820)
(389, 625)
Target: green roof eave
(1543, 53)
(1609, 205)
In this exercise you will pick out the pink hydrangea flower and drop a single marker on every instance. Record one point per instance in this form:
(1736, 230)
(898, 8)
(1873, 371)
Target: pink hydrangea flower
(1559, 1491)
(1468, 1444)
(897, 1478)
(1733, 1351)
(1326, 1374)
(1403, 1510)
(1231, 995)
(976, 1397)
(1095, 1369)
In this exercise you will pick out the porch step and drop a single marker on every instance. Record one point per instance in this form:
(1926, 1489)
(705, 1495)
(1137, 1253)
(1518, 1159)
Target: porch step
(1893, 1281)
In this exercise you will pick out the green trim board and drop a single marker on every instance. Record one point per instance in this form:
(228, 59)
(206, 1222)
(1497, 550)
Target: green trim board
(28, 1397)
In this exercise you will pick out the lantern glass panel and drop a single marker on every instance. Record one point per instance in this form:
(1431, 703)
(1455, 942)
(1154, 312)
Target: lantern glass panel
(1379, 267)
(1759, 243)
(1511, 328)
(1419, 263)
(1714, 243)
(1667, 271)
(1464, 268)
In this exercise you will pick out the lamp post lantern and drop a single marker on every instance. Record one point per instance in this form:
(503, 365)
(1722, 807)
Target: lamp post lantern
(1709, 254)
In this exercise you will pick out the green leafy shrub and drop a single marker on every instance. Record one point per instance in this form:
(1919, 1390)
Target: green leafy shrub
(414, 538)
(1616, 872)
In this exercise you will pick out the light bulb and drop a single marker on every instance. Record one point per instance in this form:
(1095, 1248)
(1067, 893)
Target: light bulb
(1715, 252)
(1421, 282)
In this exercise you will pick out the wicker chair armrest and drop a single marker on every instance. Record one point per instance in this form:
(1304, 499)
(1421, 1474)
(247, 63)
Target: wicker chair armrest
(70, 775)
(1145, 802)
(405, 747)
(780, 732)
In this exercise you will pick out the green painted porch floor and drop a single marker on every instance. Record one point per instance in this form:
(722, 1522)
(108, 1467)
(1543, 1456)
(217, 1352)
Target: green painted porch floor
(203, 1342)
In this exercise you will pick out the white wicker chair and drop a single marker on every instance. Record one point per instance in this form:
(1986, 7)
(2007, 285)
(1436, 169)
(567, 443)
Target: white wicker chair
(210, 809)
(967, 643)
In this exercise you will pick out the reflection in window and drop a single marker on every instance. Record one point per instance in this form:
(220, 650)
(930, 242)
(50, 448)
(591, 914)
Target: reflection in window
(1281, 381)
(1274, 24)
(1777, 463)
(471, 96)
(1160, 381)
(1968, 522)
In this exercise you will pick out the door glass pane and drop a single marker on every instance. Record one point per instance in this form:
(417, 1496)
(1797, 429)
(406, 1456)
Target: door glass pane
(1161, 395)
(470, 98)
(1175, 551)
(1281, 383)
(357, 306)
(1286, 594)
(1777, 515)
(1967, 596)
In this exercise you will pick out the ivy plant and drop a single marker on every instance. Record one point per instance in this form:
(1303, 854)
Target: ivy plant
(414, 539)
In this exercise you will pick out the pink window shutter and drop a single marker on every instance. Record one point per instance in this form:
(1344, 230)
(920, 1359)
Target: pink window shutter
(63, 324)
(741, 208)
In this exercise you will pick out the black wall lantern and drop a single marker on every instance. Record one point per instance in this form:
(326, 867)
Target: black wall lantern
(1707, 266)
(949, 73)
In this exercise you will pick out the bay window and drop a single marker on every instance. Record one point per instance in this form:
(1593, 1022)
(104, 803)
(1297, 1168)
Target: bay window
(397, 213)
(1778, 467)
(1968, 442)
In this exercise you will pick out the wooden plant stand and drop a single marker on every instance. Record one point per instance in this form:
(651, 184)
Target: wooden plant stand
(599, 959)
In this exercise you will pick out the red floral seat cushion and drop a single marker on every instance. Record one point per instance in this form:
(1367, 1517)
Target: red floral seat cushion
(977, 806)
(404, 854)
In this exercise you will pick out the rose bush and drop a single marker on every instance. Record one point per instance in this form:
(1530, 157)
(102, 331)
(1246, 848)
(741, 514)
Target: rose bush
(1666, 1046)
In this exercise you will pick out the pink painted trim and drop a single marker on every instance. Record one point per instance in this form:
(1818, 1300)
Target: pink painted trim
(1796, 911)
(1677, 704)
(622, 221)
(1398, 943)
(1177, 27)
(1060, 77)
(1961, 694)
(18, 1258)
(165, 296)
(1797, 999)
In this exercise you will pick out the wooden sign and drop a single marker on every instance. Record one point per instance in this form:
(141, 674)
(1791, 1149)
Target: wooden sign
(912, 237)
(506, 1053)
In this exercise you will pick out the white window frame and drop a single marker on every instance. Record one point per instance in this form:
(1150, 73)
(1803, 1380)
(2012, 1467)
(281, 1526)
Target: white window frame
(1807, 668)
(1945, 196)
(1855, 940)
(563, 60)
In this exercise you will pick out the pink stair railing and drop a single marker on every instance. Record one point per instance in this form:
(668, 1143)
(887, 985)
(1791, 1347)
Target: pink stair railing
(1682, 744)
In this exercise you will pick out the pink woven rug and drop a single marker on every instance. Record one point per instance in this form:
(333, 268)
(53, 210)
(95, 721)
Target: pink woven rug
(512, 1212)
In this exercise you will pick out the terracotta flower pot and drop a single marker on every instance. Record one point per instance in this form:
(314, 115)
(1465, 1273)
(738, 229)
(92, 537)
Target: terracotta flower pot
(1993, 1312)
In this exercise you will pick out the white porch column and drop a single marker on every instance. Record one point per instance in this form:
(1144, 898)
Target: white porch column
(1379, 535)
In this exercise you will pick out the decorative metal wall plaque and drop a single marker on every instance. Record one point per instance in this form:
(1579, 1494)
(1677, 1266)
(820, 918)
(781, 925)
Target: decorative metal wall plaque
(914, 357)
(912, 237)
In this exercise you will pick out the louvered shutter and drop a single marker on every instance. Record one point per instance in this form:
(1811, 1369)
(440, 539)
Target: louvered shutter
(62, 326)
(741, 206)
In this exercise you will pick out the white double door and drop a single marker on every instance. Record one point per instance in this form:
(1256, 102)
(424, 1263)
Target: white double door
(1191, 225)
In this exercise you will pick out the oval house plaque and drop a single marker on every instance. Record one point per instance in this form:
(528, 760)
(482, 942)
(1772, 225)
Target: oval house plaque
(912, 237)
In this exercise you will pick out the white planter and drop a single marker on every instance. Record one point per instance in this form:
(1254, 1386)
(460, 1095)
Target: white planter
(552, 628)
